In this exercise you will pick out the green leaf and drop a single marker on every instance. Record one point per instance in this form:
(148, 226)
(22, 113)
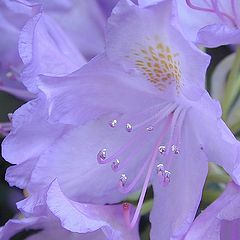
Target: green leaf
(233, 85)
(147, 206)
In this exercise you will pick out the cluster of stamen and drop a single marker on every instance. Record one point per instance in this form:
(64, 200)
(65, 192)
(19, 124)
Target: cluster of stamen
(102, 156)
(161, 168)
(213, 6)
(169, 133)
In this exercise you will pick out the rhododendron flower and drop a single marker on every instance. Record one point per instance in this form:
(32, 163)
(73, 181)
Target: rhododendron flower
(210, 23)
(55, 217)
(43, 47)
(135, 115)
(83, 21)
(10, 62)
(55, 51)
(221, 220)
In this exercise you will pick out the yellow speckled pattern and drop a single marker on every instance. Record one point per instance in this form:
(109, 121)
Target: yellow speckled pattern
(158, 63)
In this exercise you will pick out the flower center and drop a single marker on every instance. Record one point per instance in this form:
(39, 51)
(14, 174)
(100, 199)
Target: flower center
(158, 64)
(159, 128)
(213, 6)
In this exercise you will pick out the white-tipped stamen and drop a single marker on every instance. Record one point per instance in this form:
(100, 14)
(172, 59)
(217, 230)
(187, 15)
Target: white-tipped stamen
(167, 176)
(160, 169)
(150, 128)
(175, 149)
(102, 155)
(115, 164)
(123, 180)
(113, 123)
(162, 149)
(128, 127)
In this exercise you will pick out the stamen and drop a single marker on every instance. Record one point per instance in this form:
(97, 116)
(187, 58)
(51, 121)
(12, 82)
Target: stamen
(216, 9)
(151, 162)
(160, 115)
(150, 110)
(128, 188)
(123, 148)
(173, 127)
(115, 165)
(191, 5)
(128, 127)
(172, 112)
(102, 155)
(175, 149)
(167, 176)
(123, 180)
(162, 149)
(160, 169)
(150, 128)
(113, 123)
(179, 118)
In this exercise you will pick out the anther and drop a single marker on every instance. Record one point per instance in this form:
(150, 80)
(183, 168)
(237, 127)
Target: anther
(150, 128)
(123, 180)
(167, 176)
(162, 149)
(102, 155)
(113, 123)
(115, 164)
(175, 149)
(128, 127)
(160, 169)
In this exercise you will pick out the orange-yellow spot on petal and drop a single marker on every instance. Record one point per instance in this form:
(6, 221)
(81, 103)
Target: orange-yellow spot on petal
(159, 64)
